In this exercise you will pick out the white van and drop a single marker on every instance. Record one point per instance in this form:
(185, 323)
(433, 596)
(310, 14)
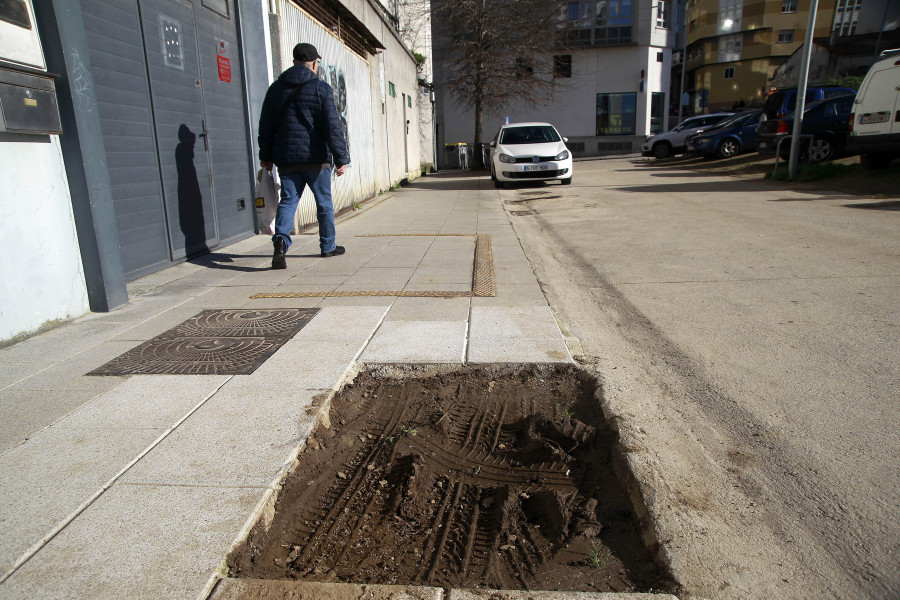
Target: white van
(875, 121)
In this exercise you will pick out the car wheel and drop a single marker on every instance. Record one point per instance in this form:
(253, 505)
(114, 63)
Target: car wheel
(662, 150)
(820, 150)
(498, 184)
(876, 161)
(566, 181)
(727, 148)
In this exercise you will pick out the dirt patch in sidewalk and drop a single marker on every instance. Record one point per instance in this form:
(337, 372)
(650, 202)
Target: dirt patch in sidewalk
(495, 477)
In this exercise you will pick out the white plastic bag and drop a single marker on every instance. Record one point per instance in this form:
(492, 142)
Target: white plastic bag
(266, 201)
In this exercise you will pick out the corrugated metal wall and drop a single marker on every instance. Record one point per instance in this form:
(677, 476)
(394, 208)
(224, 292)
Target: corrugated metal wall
(348, 75)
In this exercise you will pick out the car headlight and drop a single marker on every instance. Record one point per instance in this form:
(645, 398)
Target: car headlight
(700, 140)
(506, 158)
(562, 155)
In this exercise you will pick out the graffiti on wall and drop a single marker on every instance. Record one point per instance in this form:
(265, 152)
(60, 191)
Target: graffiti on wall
(334, 76)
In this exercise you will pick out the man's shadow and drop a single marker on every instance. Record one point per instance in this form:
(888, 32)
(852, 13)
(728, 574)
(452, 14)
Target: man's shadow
(190, 199)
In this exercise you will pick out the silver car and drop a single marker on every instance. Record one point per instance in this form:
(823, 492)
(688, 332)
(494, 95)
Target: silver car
(674, 141)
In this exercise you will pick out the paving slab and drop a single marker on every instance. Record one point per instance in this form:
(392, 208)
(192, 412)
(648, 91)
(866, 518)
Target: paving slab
(45, 480)
(25, 412)
(138, 541)
(417, 342)
(206, 450)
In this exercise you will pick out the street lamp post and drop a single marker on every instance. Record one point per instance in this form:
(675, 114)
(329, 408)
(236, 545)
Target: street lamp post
(801, 91)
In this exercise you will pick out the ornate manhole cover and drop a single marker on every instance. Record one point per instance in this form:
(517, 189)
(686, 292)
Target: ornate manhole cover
(214, 342)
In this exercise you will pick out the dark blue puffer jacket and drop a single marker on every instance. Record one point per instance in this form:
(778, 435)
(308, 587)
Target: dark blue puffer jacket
(310, 131)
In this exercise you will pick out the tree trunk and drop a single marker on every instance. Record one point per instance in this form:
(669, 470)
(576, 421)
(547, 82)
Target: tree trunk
(477, 155)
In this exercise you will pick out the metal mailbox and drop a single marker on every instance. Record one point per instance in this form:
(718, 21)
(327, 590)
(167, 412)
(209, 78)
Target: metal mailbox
(28, 103)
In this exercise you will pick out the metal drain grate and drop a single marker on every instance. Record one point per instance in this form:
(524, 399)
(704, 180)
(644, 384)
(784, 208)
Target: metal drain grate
(482, 277)
(214, 342)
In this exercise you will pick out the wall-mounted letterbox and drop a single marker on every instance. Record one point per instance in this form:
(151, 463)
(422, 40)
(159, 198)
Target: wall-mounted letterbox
(27, 103)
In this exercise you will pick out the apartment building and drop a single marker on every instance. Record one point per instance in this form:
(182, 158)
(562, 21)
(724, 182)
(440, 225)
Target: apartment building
(610, 62)
(735, 46)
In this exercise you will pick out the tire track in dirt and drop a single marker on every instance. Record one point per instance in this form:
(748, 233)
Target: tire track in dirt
(490, 477)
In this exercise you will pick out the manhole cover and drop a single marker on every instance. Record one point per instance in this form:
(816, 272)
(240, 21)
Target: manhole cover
(214, 342)
(493, 477)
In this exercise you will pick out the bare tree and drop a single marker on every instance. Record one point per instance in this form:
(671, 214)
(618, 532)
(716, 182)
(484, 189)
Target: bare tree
(495, 52)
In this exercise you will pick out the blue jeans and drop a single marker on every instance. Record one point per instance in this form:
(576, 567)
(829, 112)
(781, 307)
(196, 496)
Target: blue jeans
(292, 186)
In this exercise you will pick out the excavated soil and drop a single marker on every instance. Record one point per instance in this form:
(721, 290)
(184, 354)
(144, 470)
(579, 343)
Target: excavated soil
(496, 477)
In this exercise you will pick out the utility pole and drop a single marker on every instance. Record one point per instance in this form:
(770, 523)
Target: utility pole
(684, 20)
(801, 91)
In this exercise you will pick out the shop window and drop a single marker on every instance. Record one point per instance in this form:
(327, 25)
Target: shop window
(616, 114)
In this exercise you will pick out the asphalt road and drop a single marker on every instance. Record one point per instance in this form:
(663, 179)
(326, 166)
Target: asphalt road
(746, 334)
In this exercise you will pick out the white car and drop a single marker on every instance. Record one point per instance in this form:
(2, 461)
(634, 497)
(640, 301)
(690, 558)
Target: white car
(530, 152)
(666, 144)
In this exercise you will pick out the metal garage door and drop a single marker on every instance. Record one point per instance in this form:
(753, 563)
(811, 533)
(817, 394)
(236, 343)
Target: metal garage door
(170, 97)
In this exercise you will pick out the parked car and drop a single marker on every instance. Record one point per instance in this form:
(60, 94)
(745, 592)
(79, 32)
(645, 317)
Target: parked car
(827, 121)
(727, 138)
(663, 145)
(875, 120)
(530, 152)
(784, 101)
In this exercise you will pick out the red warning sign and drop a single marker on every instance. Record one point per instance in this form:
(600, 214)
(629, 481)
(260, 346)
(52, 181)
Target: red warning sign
(224, 69)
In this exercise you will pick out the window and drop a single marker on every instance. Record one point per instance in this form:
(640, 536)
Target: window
(729, 72)
(846, 15)
(616, 114)
(409, 101)
(785, 36)
(523, 68)
(657, 112)
(219, 6)
(789, 6)
(662, 15)
(660, 57)
(692, 25)
(595, 23)
(392, 90)
(730, 12)
(730, 48)
(562, 65)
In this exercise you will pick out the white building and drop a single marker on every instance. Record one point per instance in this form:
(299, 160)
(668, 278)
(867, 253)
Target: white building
(612, 64)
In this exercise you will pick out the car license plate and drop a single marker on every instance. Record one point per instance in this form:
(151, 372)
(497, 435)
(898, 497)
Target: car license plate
(535, 167)
(762, 145)
(879, 117)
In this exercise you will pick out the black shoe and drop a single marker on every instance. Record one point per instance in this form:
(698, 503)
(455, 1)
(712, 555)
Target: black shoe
(338, 250)
(278, 261)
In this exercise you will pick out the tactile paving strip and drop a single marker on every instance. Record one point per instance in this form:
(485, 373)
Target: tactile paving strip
(213, 342)
(482, 278)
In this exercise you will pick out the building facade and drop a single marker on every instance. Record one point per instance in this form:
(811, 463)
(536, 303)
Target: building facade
(136, 146)
(735, 46)
(610, 62)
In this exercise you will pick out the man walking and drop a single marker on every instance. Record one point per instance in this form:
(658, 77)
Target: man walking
(300, 132)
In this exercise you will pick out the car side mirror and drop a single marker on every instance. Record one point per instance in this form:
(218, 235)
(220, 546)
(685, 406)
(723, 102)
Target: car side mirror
(565, 139)
(493, 144)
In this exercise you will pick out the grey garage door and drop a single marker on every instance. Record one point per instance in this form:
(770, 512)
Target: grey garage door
(170, 97)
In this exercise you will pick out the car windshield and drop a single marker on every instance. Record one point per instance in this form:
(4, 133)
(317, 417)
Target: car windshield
(531, 134)
(734, 120)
